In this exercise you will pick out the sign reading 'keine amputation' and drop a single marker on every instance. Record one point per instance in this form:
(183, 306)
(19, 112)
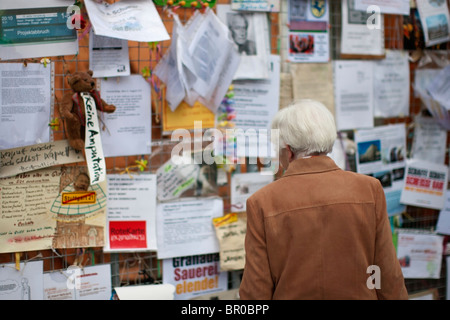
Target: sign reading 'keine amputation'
(93, 143)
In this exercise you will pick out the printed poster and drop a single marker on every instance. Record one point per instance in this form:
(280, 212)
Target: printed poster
(33, 29)
(362, 33)
(79, 210)
(425, 184)
(131, 215)
(435, 19)
(381, 153)
(195, 275)
(75, 283)
(308, 31)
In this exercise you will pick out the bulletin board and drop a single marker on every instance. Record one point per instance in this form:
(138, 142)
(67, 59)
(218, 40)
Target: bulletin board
(136, 268)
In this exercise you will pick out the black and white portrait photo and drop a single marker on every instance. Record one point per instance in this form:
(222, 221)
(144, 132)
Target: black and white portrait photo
(241, 31)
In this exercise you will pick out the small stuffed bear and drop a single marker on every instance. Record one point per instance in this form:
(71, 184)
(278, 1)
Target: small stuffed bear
(72, 107)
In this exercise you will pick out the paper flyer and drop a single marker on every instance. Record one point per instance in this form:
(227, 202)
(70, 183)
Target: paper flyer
(75, 283)
(184, 227)
(194, 275)
(425, 184)
(419, 254)
(29, 103)
(131, 216)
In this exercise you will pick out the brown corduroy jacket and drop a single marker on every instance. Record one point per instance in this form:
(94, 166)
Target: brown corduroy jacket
(320, 233)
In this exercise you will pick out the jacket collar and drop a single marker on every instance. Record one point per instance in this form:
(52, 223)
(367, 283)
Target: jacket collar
(311, 165)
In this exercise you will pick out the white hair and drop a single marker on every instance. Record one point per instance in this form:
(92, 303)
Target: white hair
(307, 126)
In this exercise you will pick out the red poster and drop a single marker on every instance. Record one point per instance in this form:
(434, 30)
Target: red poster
(127, 234)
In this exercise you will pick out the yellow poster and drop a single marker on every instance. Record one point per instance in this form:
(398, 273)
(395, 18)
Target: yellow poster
(184, 116)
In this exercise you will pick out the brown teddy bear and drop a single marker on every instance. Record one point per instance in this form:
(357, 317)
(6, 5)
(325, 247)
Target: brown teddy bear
(72, 107)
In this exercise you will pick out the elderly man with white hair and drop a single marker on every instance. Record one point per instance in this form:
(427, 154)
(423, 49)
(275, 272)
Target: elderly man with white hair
(318, 232)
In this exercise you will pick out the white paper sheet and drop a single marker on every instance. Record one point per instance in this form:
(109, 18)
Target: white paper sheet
(131, 216)
(429, 140)
(108, 57)
(23, 284)
(256, 101)
(243, 185)
(254, 64)
(391, 85)
(128, 129)
(146, 292)
(75, 283)
(167, 71)
(400, 7)
(422, 84)
(26, 101)
(28, 34)
(353, 85)
(439, 88)
(356, 37)
(443, 223)
(130, 20)
(435, 20)
(177, 272)
(425, 184)
(205, 53)
(185, 227)
(205, 59)
(420, 254)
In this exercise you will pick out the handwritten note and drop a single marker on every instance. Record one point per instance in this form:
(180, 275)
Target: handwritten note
(230, 231)
(26, 223)
(38, 156)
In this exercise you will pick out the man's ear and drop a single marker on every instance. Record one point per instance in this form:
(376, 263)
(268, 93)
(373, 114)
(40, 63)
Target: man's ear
(291, 155)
